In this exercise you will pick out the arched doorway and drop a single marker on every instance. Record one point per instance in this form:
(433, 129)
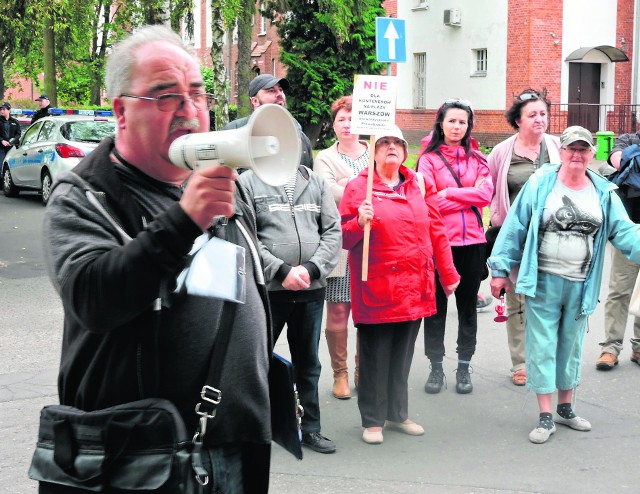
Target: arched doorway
(585, 71)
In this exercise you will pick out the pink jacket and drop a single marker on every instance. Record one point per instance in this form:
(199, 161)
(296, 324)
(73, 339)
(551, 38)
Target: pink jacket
(407, 234)
(462, 223)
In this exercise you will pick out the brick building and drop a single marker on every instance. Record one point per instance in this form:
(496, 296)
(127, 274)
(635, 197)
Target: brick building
(487, 52)
(581, 51)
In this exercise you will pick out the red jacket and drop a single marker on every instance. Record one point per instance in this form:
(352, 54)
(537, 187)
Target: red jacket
(462, 222)
(407, 233)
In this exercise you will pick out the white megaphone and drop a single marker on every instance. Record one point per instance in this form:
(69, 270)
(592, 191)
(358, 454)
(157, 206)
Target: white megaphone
(268, 144)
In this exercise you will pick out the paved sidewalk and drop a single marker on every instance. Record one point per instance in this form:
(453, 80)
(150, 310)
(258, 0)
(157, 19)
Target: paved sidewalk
(474, 443)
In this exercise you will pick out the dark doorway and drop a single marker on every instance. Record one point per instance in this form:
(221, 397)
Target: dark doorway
(584, 95)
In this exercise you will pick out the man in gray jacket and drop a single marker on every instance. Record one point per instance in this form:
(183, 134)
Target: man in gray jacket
(267, 89)
(300, 237)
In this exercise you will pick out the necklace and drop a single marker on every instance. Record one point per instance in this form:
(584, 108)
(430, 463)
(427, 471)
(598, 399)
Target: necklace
(354, 153)
(527, 149)
(393, 183)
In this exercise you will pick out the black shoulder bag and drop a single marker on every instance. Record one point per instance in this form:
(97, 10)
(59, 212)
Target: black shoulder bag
(141, 445)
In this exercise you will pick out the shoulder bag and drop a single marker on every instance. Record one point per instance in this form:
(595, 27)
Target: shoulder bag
(144, 445)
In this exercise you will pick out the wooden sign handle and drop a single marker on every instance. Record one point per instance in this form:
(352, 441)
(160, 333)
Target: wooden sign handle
(367, 226)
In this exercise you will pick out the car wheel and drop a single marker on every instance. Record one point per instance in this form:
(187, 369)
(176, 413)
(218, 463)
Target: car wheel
(10, 189)
(46, 187)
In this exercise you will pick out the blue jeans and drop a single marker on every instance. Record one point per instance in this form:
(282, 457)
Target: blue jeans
(304, 324)
(239, 468)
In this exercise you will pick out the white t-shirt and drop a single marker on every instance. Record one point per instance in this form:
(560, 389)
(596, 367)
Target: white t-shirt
(570, 220)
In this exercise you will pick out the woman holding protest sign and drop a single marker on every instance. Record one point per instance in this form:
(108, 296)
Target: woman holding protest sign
(407, 234)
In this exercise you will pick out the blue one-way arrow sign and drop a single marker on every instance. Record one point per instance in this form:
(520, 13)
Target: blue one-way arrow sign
(391, 41)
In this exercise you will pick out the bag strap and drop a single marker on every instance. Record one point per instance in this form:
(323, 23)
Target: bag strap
(211, 395)
(543, 150)
(457, 179)
(420, 178)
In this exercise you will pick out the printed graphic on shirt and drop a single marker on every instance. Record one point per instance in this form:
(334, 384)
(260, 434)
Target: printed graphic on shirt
(569, 224)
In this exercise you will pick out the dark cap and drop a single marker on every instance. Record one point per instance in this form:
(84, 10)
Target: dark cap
(5, 105)
(42, 96)
(266, 81)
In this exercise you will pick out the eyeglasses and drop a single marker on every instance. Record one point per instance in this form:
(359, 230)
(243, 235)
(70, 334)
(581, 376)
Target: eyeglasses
(172, 102)
(462, 102)
(387, 141)
(580, 151)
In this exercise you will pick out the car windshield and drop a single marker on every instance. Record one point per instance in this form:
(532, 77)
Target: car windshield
(89, 131)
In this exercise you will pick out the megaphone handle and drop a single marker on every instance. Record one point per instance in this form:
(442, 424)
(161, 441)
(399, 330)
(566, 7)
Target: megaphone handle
(367, 226)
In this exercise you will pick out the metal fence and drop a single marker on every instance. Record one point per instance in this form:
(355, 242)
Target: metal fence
(619, 119)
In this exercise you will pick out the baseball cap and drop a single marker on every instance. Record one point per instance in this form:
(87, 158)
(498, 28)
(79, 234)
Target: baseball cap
(266, 81)
(394, 131)
(5, 105)
(42, 96)
(575, 133)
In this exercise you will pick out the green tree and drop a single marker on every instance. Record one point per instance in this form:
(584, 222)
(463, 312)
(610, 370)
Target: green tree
(324, 44)
(11, 15)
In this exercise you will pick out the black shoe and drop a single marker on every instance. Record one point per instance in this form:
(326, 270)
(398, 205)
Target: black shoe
(463, 381)
(318, 442)
(435, 381)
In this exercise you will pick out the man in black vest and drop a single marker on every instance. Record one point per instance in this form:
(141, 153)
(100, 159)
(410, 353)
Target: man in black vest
(45, 105)
(9, 130)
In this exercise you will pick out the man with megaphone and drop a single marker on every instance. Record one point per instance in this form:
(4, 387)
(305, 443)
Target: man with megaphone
(118, 230)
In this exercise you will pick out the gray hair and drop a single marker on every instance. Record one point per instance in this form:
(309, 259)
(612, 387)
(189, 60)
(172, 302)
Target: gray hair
(122, 60)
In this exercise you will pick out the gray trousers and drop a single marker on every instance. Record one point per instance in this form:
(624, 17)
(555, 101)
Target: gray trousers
(616, 312)
(515, 328)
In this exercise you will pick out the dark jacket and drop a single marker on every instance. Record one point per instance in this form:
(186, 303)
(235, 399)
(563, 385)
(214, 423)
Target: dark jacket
(42, 112)
(630, 198)
(9, 131)
(111, 290)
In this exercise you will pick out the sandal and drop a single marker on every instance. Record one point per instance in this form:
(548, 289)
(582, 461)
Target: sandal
(519, 377)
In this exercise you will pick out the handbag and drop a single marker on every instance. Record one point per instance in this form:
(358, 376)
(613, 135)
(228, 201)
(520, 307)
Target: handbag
(286, 411)
(142, 445)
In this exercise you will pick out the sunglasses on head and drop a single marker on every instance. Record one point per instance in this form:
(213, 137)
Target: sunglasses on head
(530, 94)
(462, 102)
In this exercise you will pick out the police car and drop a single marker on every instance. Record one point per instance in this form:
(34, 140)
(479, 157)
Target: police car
(52, 145)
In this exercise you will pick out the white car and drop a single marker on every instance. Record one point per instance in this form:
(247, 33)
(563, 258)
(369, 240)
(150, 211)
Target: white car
(50, 146)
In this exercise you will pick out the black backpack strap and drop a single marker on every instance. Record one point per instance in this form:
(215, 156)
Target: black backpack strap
(475, 210)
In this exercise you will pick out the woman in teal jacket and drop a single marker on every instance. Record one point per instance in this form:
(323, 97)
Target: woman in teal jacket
(552, 246)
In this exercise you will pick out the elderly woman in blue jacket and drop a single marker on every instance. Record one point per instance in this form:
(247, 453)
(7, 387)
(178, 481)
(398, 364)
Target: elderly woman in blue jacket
(552, 245)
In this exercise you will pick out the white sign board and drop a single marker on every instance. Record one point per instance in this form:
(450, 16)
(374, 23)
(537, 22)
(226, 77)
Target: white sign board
(374, 104)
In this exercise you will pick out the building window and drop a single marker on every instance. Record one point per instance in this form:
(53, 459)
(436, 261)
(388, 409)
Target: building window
(419, 80)
(420, 5)
(480, 62)
(263, 26)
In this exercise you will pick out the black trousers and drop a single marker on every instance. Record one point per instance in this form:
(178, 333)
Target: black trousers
(386, 353)
(469, 262)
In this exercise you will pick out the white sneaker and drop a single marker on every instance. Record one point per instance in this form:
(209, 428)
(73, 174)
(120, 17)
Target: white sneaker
(576, 423)
(541, 435)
